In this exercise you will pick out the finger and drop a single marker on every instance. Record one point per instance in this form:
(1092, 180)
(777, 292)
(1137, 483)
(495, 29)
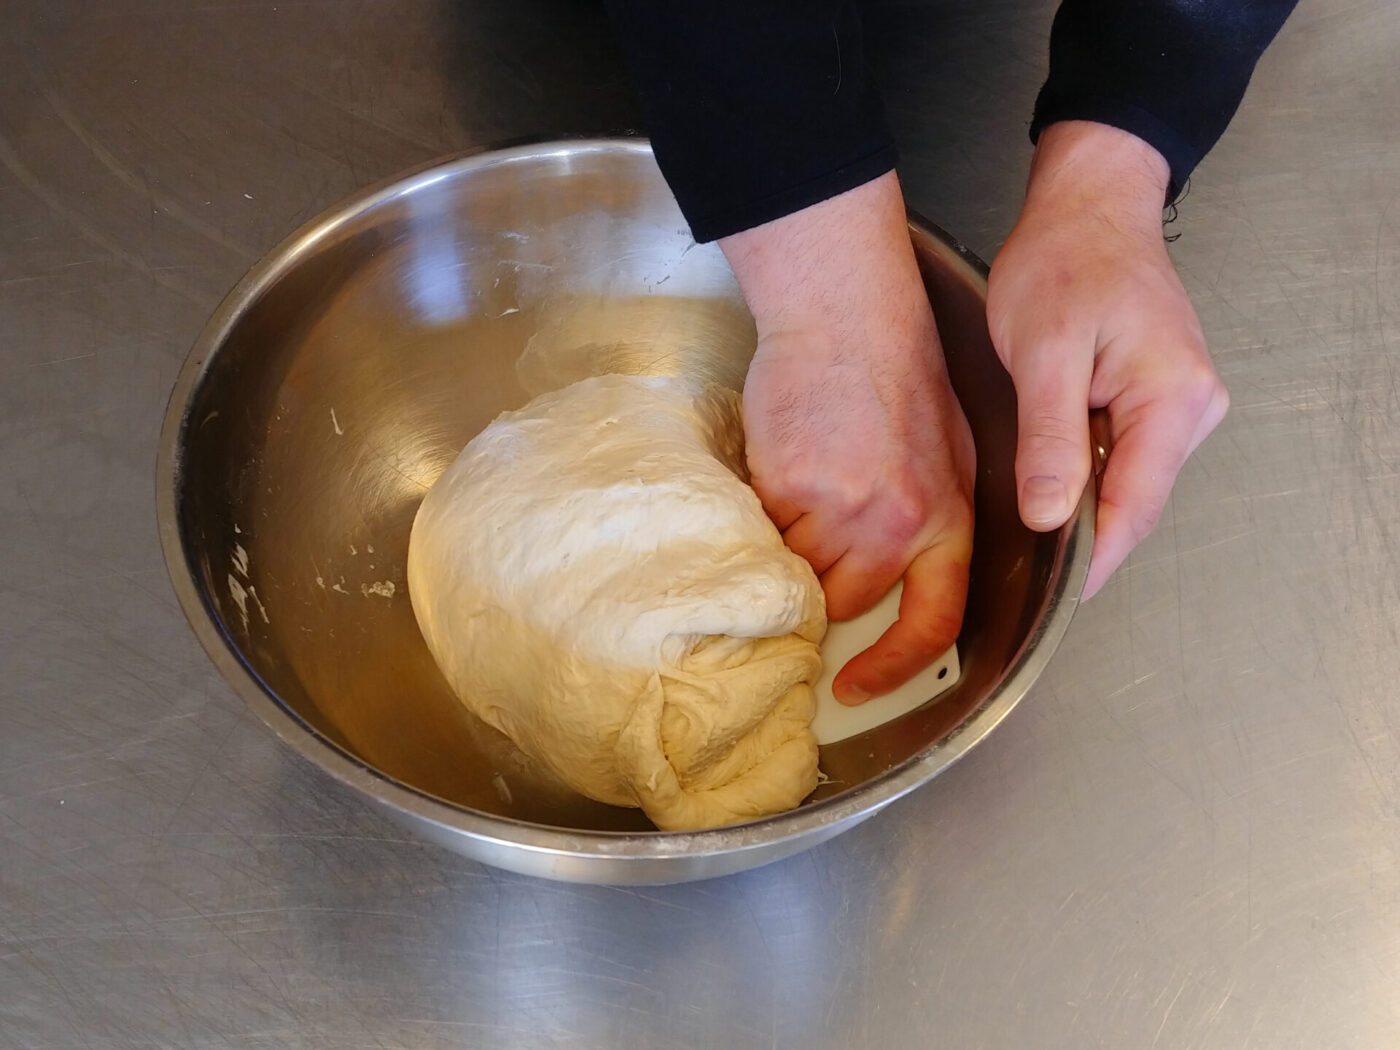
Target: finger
(1052, 441)
(808, 537)
(1146, 458)
(859, 579)
(930, 616)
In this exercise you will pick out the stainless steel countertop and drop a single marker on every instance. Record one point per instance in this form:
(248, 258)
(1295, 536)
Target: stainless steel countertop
(1188, 836)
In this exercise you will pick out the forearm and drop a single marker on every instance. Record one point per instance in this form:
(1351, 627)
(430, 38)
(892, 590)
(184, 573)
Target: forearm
(1170, 72)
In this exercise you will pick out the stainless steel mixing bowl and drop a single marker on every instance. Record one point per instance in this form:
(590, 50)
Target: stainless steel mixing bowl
(353, 363)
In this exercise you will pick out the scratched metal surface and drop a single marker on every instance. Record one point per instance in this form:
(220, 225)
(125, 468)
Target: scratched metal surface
(1187, 837)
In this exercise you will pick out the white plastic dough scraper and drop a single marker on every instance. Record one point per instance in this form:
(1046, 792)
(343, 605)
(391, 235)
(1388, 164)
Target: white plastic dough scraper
(836, 721)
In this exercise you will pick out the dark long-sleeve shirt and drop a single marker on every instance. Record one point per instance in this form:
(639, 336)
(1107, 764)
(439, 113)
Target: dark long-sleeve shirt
(758, 108)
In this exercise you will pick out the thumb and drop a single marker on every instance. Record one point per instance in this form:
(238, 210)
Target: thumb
(1052, 433)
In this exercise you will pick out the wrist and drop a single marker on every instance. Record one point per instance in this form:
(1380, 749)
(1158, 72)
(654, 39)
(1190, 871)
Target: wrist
(1087, 163)
(817, 266)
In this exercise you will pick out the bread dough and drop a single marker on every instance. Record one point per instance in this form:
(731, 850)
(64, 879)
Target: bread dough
(596, 580)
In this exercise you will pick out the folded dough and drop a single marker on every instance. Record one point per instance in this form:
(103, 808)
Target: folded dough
(596, 580)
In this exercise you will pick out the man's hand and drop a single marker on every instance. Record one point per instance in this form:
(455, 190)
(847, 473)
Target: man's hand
(856, 443)
(1086, 311)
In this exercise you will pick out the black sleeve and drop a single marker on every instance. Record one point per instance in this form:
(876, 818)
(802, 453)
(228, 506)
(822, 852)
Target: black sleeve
(1172, 72)
(755, 108)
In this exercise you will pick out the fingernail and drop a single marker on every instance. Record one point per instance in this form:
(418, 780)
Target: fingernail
(849, 694)
(1043, 500)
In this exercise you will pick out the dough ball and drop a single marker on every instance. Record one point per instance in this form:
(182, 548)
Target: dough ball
(596, 579)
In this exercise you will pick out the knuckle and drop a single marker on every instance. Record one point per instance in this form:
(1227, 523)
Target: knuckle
(1198, 387)
(843, 502)
(1054, 446)
(799, 482)
(1219, 405)
(892, 509)
(1054, 432)
(905, 513)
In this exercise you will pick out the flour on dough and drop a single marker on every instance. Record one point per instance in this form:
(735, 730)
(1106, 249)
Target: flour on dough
(596, 580)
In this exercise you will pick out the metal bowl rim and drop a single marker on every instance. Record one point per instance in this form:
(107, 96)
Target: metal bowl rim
(847, 807)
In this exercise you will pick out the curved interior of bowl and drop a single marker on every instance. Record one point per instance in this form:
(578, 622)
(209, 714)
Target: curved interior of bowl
(352, 367)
